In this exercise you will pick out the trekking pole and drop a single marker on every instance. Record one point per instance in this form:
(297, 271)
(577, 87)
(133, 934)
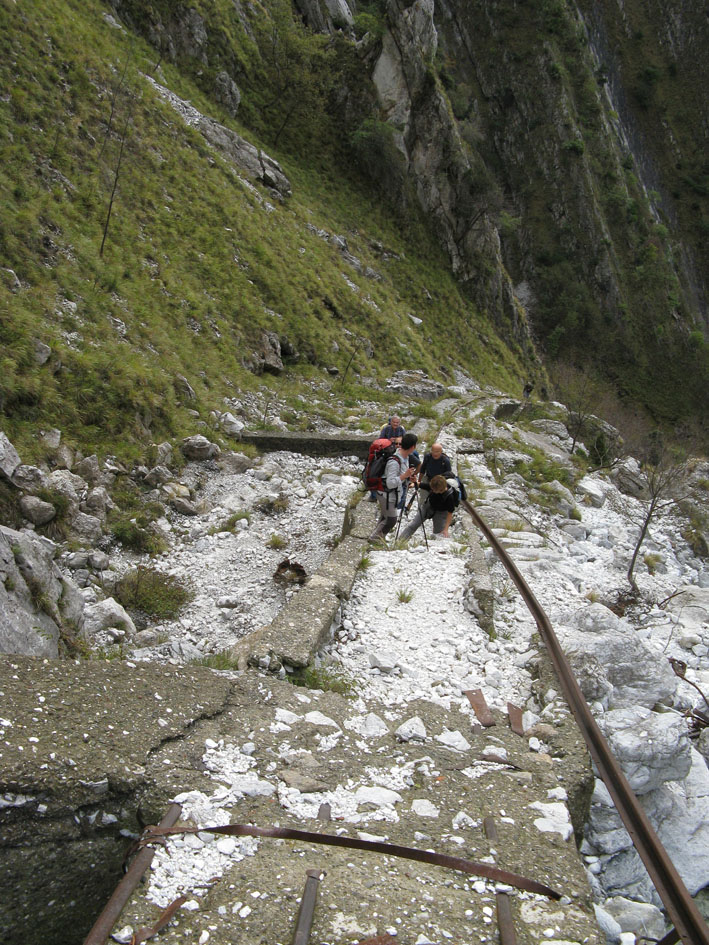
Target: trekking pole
(423, 522)
(404, 509)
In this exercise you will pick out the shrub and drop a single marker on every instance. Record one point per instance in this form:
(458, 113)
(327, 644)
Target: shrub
(153, 593)
(364, 562)
(137, 535)
(222, 660)
(276, 542)
(328, 678)
(272, 505)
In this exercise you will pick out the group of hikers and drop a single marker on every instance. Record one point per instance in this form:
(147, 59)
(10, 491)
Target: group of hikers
(393, 465)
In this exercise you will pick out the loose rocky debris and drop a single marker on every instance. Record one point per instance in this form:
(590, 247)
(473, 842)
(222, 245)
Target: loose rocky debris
(410, 640)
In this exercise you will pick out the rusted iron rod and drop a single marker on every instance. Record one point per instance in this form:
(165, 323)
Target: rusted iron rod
(304, 922)
(480, 707)
(680, 906)
(505, 922)
(124, 890)
(153, 834)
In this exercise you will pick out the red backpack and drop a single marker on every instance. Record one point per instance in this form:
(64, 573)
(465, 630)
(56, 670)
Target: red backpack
(380, 452)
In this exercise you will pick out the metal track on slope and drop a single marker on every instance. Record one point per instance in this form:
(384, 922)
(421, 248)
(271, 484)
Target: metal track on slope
(680, 906)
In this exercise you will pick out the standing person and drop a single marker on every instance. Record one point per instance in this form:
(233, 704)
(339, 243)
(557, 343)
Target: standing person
(415, 464)
(441, 503)
(397, 471)
(435, 463)
(393, 430)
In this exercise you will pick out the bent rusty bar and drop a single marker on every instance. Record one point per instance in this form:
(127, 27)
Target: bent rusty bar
(124, 890)
(680, 906)
(307, 907)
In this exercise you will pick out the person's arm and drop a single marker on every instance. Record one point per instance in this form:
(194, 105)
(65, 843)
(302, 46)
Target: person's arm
(449, 519)
(395, 474)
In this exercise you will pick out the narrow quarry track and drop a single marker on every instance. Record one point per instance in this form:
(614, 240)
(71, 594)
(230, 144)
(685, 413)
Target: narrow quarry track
(434, 584)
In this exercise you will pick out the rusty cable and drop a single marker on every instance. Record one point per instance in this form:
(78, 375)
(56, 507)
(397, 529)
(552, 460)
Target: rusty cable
(680, 906)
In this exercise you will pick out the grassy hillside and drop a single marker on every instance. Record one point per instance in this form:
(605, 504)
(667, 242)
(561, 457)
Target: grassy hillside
(196, 262)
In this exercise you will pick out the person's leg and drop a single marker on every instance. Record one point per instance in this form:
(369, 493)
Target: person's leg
(384, 504)
(439, 522)
(413, 524)
(389, 524)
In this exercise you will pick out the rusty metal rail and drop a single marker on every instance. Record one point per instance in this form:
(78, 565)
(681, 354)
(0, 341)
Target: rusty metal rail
(112, 911)
(676, 899)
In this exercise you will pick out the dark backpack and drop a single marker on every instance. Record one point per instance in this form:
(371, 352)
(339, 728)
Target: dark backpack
(380, 452)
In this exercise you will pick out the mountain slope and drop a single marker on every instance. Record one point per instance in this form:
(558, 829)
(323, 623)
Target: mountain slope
(202, 272)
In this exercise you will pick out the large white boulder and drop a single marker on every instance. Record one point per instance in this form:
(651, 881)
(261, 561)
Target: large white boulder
(651, 747)
(613, 666)
(107, 615)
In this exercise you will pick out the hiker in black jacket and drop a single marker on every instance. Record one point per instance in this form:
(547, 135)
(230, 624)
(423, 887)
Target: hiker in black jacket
(435, 463)
(440, 504)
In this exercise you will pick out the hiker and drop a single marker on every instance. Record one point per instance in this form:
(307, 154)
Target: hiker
(396, 472)
(440, 504)
(528, 388)
(435, 463)
(393, 431)
(415, 464)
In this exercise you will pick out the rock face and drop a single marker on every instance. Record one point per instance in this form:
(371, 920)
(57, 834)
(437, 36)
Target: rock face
(451, 186)
(612, 665)
(199, 447)
(227, 93)
(9, 458)
(36, 601)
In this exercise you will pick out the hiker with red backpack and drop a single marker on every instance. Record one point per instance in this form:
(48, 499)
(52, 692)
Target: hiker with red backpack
(392, 431)
(387, 470)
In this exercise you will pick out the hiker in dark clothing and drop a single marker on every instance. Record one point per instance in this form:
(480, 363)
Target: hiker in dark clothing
(528, 388)
(435, 463)
(393, 430)
(440, 504)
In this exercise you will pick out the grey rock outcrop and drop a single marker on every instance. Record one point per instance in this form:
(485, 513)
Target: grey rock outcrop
(227, 93)
(37, 511)
(107, 614)
(29, 478)
(245, 155)
(253, 161)
(198, 447)
(641, 918)
(9, 457)
(36, 601)
(415, 384)
(651, 747)
(612, 665)
(268, 354)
